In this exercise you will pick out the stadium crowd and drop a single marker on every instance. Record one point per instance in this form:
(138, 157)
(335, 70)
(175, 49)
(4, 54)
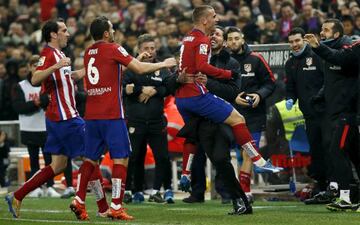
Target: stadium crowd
(166, 23)
(262, 22)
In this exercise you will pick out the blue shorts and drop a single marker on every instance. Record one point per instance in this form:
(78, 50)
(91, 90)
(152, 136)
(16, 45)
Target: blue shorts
(106, 134)
(208, 105)
(65, 137)
(256, 136)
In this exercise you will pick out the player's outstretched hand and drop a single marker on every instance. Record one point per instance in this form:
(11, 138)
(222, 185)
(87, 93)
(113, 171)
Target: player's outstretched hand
(170, 62)
(312, 40)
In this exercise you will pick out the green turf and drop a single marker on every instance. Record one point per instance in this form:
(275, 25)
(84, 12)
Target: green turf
(56, 211)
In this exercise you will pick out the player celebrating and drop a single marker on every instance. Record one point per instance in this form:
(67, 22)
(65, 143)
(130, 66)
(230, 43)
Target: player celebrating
(64, 126)
(104, 114)
(194, 99)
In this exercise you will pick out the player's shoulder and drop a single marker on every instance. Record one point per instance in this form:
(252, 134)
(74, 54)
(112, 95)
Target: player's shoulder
(46, 56)
(47, 51)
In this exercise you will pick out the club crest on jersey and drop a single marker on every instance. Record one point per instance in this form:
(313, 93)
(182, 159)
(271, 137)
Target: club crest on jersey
(123, 51)
(131, 130)
(247, 67)
(203, 49)
(41, 61)
(309, 61)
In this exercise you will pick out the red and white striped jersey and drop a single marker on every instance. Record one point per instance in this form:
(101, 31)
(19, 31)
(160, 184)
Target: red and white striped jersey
(59, 86)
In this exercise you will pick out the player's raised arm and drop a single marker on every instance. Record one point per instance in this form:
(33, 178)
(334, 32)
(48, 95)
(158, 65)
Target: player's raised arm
(203, 66)
(78, 74)
(144, 67)
(41, 75)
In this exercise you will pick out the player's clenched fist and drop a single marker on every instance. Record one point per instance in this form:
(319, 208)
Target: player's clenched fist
(63, 62)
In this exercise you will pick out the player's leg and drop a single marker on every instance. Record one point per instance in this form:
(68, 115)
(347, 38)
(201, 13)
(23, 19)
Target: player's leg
(190, 148)
(118, 142)
(54, 145)
(96, 184)
(246, 168)
(88, 141)
(220, 111)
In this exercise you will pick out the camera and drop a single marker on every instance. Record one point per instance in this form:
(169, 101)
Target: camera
(249, 100)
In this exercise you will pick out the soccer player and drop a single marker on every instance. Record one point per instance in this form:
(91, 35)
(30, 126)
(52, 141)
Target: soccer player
(193, 98)
(64, 126)
(104, 114)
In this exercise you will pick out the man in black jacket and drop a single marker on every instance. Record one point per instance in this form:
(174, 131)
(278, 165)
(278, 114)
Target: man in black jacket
(304, 79)
(144, 102)
(256, 83)
(340, 92)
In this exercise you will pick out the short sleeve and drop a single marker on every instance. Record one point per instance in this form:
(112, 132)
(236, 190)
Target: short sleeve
(46, 60)
(121, 55)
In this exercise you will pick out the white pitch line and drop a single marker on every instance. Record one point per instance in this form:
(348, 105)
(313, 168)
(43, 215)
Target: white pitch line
(254, 207)
(54, 211)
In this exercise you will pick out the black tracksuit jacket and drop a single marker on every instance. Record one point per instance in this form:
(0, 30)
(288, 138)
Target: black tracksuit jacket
(304, 79)
(255, 77)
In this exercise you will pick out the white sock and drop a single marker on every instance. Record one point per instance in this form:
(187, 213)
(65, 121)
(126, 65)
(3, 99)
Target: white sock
(345, 195)
(253, 154)
(334, 185)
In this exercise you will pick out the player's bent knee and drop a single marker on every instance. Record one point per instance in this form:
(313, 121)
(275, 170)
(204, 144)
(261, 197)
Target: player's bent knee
(235, 118)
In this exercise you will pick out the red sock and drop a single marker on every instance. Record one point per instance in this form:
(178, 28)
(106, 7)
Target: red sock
(84, 175)
(96, 182)
(39, 178)
(188, 156)
(244, 178)
(118, 185)
(244, 139)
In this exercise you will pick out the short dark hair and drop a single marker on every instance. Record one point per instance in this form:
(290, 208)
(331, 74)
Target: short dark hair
(233, 29)
(347, 18)
(145, 38)
(338, 26)
(222, 29)
(200, 12)
(98, 26)
(297, 30)
(286, 4)
(50, 26)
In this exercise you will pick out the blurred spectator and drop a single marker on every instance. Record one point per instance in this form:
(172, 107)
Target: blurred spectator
(4, 157)
(6, 110)
(349, 27)
(309, 19)
(3, 54)
(287, 19)
(3, 75)
(247, 23)
(269, 34)
(171, 48)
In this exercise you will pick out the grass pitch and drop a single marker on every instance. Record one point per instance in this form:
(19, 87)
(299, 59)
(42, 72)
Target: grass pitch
(56, 211)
